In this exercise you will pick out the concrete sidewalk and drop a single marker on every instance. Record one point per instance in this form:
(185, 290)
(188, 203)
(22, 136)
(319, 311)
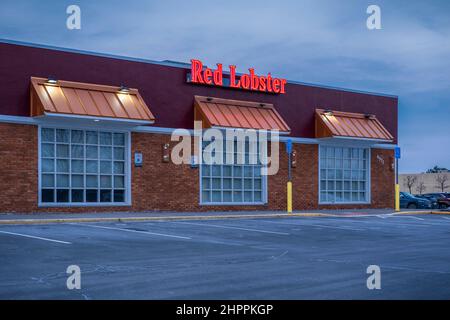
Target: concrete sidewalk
(42, 218)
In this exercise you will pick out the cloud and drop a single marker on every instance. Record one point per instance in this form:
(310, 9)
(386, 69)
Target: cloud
(319, 41)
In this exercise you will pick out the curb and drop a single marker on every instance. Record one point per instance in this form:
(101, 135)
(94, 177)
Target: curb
(216, 217)
(440, 212)
(161, 218)
(423, 212)
(413, 212)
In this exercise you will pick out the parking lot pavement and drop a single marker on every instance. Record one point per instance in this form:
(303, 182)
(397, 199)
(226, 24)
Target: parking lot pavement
(284, 258)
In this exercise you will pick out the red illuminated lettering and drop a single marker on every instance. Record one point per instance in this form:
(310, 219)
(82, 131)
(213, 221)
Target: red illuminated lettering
(233, 83)
(254, 79)
(283, 84)
(262, 83)
(218, 75)
(245, 81)
(207, 74)
(269, 83)
(196, 71)
(250, 81)
(276, 85)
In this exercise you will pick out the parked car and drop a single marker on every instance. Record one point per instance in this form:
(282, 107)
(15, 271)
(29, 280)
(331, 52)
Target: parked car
(443, 199)
(433, 199)
(407, 200)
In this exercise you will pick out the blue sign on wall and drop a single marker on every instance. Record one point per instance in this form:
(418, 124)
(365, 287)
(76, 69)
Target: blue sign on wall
(289, 146)
(397, 153)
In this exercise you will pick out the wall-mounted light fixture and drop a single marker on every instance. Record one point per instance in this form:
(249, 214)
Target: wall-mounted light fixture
(165, 152)
(51, 80)
(124, 89)
(328, 112)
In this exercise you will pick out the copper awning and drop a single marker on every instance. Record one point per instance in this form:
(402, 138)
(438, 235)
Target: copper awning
(225, 113)
(331, 123)
(85, 99)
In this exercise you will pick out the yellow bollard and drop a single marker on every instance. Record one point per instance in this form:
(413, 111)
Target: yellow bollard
(289, 197)
(397, 197)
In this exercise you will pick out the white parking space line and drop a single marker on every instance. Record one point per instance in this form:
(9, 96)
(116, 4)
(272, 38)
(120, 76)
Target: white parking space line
(316, 225)
(334, 227)
(416, 218)
(34, 237)
(446, 218)
(231, 227)
(134, 231)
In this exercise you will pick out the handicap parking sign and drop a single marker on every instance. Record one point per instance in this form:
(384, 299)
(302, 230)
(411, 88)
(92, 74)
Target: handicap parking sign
(397, 152)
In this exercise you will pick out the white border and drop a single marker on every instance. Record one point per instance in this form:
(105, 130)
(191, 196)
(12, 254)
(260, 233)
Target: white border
(369, 175)
(264, 200)
(128, 200)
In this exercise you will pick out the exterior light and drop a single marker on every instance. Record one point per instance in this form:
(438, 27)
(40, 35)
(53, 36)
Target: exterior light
(51, 80)
(328, 112)
(368, 116)
(124, 89)
(209, 99)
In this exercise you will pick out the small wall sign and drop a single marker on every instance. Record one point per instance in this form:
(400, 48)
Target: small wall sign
(138, 159)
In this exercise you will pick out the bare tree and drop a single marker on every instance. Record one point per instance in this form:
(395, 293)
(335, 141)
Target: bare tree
(409, 182)
(441, 180)
(421, 187)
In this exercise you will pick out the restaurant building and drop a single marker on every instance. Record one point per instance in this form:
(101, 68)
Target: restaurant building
(84, 132)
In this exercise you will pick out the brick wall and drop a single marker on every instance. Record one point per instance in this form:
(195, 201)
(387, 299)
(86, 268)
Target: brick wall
(18, 168)
(159, 186)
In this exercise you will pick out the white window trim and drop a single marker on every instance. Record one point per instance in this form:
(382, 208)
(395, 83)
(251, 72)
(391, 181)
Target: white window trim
(264, 187)
(369, 174)
(128, 200)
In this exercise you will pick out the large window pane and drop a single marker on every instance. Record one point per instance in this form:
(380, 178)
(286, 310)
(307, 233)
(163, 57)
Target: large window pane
(77, 136)
(119, 153)
(62, 165)
(48, 180)
(106, 138)
(349, 176)
(62, 135)
(48, 195)
(233, 181)
(119, 167)
(48, 150)
(119, 196)
(105, 153)
(91, 152)
(77, 151)
(119, 139)
(119, 182)
(77, 166)
(48, 165)
(62, 180)
(78, 157)
(77, 195)
(62, 150)
(48, 135)
(91, 166)
(62, 195)
(91, 137)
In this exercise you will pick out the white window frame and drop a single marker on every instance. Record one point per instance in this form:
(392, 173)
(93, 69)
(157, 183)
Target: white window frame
(264, 190)
(127, 168)
(368, 175)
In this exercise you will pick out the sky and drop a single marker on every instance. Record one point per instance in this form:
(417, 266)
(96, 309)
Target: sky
(324, 42)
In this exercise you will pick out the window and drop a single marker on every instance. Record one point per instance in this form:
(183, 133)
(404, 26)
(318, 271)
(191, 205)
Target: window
(236, 182)
(344, 175)
(82, 166)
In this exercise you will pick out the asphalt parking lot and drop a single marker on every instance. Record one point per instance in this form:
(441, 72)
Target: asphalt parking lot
(284, 258)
